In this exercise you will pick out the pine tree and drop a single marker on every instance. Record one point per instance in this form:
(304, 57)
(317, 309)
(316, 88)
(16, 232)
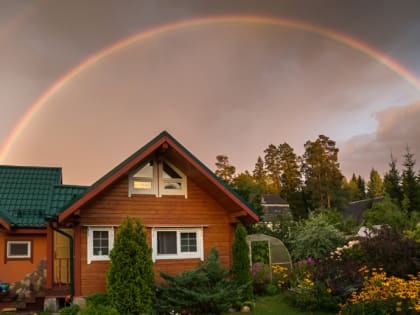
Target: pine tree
(272, 166)
(410, 184)
(321, 170)
(130, 275)
(259, 173)
(241, 265)
(290, 174)
(392, 182)
(225, 170)
(375, 185)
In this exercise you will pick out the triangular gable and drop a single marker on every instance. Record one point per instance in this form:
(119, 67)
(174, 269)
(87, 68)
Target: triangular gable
(163, 139)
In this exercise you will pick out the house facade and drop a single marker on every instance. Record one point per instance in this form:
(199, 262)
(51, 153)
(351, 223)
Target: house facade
(185, 210)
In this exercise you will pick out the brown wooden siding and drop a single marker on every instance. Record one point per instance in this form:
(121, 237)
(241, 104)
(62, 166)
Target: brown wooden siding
(113, 205)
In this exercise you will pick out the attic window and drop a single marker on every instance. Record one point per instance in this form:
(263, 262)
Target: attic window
(158, 178)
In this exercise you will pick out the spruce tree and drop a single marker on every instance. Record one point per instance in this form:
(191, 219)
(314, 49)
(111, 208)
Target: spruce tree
(375, 185)
(130, 275)
(241, 265)
(392, 182)
(411, 186)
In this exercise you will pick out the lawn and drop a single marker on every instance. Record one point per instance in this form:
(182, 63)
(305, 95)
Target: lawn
(275, 305)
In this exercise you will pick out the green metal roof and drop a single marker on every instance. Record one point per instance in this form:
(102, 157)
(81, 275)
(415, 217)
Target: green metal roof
(29, 194)
(62, 196)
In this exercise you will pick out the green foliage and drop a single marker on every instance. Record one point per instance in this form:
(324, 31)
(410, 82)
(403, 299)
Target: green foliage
(205, 290)
(410, 183)
(130, 275)
(249, 189)
(95, 299)
(260, 252)
(99, 310)
(387, 213)
(307, 293)
(375, 185)
(241, 273)
(323, 178)
(315, 238)
(392, 182)
(224, 170)
(70, 310)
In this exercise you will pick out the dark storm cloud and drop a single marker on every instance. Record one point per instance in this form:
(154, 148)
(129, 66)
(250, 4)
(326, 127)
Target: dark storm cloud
(398, 127)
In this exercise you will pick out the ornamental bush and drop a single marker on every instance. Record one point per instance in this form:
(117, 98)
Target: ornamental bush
(316, 238)
(204, 290)
(130, 275)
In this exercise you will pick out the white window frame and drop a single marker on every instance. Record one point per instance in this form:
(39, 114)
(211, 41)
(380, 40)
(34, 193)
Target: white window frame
(179, 255)
(158, 182)
(29, 246)
(90, 256)
(139, 191)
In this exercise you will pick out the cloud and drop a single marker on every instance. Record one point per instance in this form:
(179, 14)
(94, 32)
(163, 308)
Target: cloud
(398, 127)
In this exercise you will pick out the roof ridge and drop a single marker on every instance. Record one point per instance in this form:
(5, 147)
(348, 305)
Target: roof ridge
(31, 167)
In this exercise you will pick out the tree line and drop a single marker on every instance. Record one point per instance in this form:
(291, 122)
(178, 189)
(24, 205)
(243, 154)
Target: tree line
(314, 180)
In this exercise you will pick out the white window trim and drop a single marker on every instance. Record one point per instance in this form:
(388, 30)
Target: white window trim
(90, 256)
(28, 255)
(179, 255)
(183, 180)
(158, 182)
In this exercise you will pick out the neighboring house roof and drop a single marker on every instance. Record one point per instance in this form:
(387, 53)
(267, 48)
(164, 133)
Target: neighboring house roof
(29, 194)
(273, 199)
(272, 206)
(164, 142)
(356, 209)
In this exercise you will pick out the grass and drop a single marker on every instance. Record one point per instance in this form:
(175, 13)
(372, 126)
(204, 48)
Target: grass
(274, 305)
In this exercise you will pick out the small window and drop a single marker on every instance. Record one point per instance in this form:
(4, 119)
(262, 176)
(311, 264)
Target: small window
(100, 243)
(18, 249)
(177, 243)
(143, 180)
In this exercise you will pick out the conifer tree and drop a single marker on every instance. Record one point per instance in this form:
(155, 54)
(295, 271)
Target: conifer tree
(259, 173)
(225, 170)
(130, 275)
(392, 182)
(241, 265)
(410, 183)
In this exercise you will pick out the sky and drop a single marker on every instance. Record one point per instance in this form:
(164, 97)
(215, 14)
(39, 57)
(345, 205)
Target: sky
(84, 84)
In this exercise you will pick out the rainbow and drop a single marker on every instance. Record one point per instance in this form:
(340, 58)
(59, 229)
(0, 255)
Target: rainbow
(282, 22)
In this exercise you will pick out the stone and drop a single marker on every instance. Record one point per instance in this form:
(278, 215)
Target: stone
(51, 305)
(81, 301)
(245, 309)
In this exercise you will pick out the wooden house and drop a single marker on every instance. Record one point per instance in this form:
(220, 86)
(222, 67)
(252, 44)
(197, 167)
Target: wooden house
(184, 207)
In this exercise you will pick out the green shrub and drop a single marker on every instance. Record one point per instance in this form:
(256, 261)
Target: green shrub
(99, 310)
(316, 238)
(98, 299)
(130, 275)
(204, 290)
(241, 271)
(70, 310)
(387, 213)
